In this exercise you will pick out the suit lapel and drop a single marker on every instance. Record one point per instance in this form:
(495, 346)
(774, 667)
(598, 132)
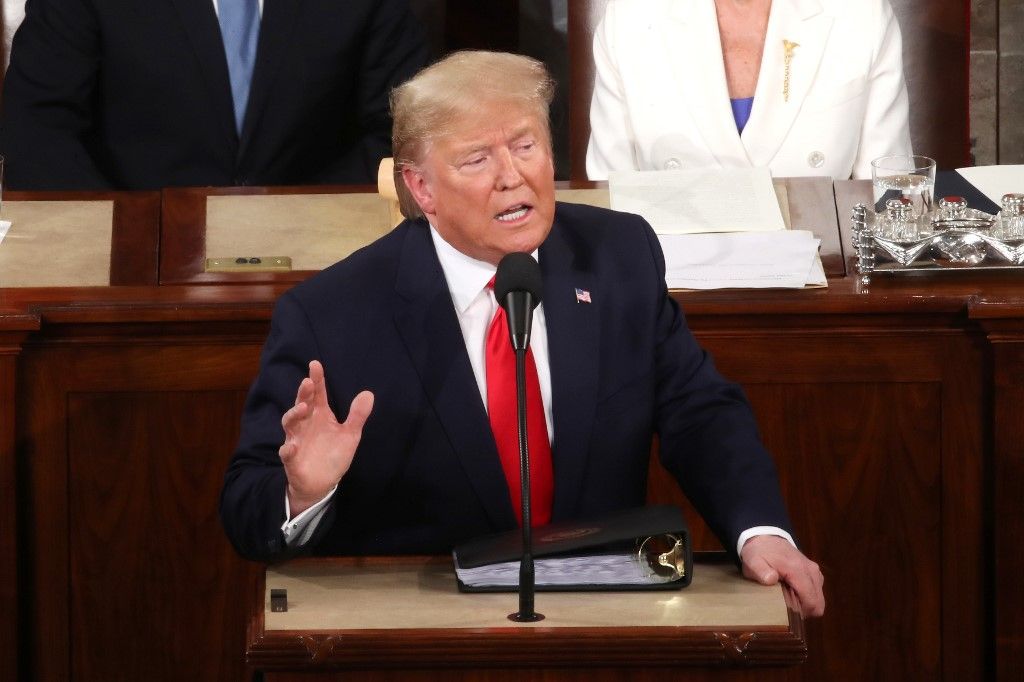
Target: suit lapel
(796, 21)
(199, 22)
(276, 28)
(426, 320)
(695, 49)
(573, 348)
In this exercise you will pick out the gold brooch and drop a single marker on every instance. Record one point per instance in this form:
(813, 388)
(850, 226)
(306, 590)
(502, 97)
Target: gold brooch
(788, 46)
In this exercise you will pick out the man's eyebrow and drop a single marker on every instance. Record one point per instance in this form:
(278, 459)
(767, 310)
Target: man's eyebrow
(472, 147)
(523, 131)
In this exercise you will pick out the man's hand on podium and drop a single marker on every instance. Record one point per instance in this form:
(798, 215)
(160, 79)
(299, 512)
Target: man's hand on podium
(317, 449)
(767, 559)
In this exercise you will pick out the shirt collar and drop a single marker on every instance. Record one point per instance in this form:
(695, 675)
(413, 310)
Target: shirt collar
(466, 276)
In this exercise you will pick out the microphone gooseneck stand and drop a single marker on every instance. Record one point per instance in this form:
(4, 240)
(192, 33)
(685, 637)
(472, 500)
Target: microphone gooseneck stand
(525, 614)
(519, 280)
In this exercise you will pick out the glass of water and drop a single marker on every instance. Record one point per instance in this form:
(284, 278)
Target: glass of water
(904, 177)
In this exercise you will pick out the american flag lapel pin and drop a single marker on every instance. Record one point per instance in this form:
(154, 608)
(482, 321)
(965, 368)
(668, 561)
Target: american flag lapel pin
(582, 296)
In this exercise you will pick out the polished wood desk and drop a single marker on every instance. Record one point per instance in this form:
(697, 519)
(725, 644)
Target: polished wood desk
(889, 409)
(186, 231)
(187, 214)
(134, 233)
(380, 618)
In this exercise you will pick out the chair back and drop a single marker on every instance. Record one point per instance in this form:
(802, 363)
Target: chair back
(936, 41)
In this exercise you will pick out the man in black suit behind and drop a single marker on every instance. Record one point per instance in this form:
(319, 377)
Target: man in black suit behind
(399, 334)
(135, 94)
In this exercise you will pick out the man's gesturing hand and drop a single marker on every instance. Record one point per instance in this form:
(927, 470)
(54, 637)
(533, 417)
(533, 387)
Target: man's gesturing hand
(767, 559)
(318, 450)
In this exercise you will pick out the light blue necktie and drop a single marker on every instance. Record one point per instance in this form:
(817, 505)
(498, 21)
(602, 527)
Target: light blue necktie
(240, 28)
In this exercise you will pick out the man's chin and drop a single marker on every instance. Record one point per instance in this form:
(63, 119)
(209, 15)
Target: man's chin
(529, 243)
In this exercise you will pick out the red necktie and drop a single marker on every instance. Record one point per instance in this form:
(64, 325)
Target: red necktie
(501, 408)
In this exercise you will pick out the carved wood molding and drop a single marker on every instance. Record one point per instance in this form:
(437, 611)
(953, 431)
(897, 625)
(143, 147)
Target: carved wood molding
(533, 648)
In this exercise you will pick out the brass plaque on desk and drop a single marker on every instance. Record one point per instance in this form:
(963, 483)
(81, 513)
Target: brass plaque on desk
(315, 230)
(249, 264)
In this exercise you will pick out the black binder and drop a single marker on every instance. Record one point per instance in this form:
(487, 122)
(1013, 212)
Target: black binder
(646, 548)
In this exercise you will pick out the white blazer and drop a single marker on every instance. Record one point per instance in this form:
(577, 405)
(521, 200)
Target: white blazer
(661, 99)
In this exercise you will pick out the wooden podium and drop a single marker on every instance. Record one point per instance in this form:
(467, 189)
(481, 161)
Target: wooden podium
(390, 618)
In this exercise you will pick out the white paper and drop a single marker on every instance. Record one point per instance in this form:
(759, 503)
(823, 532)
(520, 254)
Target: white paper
(613, 568)
(705, 200)
(786, 259)
(816, 277)
(4, 226)
(995, 181)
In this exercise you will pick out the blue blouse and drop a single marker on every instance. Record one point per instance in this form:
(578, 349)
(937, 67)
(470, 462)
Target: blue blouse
(741, 111)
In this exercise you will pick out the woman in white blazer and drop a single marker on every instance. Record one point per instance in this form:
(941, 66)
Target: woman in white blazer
(828, 94)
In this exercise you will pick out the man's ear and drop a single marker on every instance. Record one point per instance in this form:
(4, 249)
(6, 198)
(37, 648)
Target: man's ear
(420, 189)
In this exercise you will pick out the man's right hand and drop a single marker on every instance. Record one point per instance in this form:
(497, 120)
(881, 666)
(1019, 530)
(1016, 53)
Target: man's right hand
(318, 450)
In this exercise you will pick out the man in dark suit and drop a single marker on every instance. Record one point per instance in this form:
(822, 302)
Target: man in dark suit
(399, 334)
(139, 95)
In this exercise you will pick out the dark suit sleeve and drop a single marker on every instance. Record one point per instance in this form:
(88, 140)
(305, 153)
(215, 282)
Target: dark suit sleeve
(708, 436)
(48, 98)
(393, 51)
(252, 500)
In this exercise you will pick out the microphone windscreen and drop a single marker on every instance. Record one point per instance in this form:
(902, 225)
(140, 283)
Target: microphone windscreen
(518, 272)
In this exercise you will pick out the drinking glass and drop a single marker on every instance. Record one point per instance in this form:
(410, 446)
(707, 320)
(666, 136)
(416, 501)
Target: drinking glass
(904, 177)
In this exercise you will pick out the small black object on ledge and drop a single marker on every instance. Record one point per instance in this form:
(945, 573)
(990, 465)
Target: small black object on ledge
(278, 600)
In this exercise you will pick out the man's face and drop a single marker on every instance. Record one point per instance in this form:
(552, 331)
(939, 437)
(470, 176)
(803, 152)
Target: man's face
(489, 186)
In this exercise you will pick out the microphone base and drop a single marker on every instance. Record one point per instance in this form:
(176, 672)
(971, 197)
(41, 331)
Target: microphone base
(519, 617)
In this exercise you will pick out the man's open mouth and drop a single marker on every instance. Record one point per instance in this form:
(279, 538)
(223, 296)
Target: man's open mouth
(513, 214)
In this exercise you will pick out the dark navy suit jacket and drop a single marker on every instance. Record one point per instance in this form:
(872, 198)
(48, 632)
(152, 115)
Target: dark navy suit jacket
(427, 475)
(134, 94)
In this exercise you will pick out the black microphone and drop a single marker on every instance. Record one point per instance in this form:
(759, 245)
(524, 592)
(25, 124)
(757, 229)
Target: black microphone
(519, 288)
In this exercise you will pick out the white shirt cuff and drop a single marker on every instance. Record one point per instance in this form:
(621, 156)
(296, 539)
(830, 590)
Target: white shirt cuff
(299, 530)
(762, 530)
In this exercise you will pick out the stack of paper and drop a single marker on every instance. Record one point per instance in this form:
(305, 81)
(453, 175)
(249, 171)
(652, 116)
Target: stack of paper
(706, 200)
(750, 260)
(720, 228)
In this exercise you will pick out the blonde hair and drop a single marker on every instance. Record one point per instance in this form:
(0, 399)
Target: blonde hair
(430, 105)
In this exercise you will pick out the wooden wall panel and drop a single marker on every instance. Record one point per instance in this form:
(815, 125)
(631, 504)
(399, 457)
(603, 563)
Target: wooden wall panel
(872, 427)
(966, 468)
(149, 562)
(1008, 510)
(860, 466)
(8, 524)
(44, 556)
(131, 576)
(858, 481)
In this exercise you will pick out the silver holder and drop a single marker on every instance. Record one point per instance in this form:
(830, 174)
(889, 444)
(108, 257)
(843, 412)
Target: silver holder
(952, 237)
